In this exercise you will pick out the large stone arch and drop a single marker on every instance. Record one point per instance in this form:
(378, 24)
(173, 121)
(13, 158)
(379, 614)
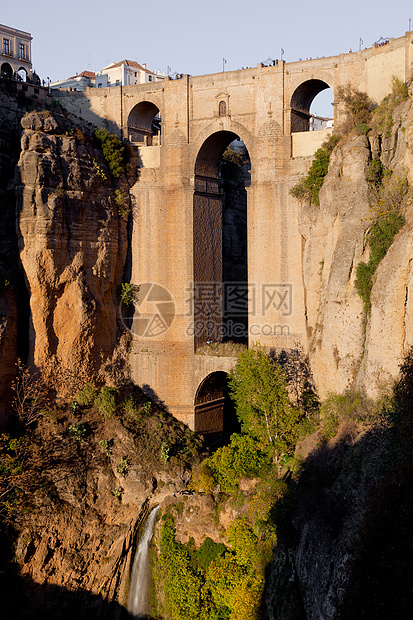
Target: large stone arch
(144, 123)
(218, 125)
(302, 96)
(213, 321)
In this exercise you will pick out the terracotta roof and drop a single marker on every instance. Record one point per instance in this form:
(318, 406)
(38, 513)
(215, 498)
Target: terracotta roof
(129, 63)
(88, 74)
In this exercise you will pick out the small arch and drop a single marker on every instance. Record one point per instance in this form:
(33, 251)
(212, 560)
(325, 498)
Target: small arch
(22, 74)
(144, 124)
(301, 101)
(6, 71)
(215, 416)
(222, 111)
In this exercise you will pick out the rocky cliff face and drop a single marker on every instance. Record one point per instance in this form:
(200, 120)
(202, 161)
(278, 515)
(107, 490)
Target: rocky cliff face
(348, 349)
(73, 246)
(73, 528)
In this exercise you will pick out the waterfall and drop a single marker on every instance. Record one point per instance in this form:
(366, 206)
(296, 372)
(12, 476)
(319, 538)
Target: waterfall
(138, 604)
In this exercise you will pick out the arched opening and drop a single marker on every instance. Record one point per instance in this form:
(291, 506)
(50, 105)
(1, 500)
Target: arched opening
(22, 74)
(220, 292)
(215, 416)
(144, 124)
(6, 71)
(303, 112)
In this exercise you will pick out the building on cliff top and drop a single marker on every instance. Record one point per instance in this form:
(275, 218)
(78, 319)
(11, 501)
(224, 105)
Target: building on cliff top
(121, 73)
(15, 54)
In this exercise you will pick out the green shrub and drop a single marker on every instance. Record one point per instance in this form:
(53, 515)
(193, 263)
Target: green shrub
(357, 105)
(380, 238)
(123, 203)
(113, 152)
(130, 408)
(362, 129)
(352, 406)
(146, 407)
(209, 584)
(165, 452)
(123, 466)
(244, 456)
(389, 199)
(202, 479)
(105, 444)
(258, 387)
(105, 401)
(128, 293)
(383, 113)
(208, 552)
(86, 395)
(309, 186)
(374, 172)
(77, 431)
(74, 407)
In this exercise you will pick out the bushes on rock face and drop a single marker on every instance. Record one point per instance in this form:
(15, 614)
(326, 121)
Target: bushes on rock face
(383, 113)
(309, 186)
(105, 401)
(358, 106)
(210, 583)
(113, 152)
(86, 395)
(389, 220)
(244, 456)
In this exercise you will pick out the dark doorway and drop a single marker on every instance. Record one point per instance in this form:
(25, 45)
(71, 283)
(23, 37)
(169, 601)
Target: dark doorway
(215, 416)
(222, 173)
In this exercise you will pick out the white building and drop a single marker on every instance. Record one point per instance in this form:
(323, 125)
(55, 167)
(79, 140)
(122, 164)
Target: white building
(15, 54)
(126, 72)
(121, 73)
(77, 82)
(320, 122)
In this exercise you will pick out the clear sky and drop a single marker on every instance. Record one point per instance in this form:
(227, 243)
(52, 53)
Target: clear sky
(191, 36)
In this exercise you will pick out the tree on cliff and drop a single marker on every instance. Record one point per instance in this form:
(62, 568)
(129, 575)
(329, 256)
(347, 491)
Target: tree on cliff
(258, 387)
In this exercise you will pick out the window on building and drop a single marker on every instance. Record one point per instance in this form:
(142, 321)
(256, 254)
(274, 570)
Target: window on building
(6, 46)
(22, 50)
(150, 78)
(222, 108)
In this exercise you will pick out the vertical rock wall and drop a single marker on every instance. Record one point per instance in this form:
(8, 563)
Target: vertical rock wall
(72, 247)
(347, 348)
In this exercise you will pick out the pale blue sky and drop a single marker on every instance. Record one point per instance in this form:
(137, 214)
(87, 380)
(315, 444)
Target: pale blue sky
(192, 36)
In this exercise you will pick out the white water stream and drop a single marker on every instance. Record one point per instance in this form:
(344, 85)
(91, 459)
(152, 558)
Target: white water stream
(138, 604)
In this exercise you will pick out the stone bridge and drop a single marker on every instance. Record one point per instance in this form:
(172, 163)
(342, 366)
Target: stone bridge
(180, 128)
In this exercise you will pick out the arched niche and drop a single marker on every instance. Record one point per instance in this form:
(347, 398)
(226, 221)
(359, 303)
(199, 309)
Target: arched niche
(220, 241)
(214, 411)
(144, 124)
(6, 71)
(301, 102)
